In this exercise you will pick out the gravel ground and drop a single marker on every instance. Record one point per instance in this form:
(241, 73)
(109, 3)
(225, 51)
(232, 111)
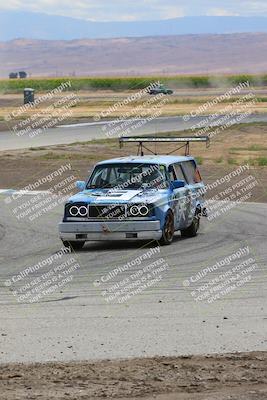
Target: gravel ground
(232, 376)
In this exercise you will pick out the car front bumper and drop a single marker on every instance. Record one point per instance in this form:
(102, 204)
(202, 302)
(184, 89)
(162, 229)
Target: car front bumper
(112, 230)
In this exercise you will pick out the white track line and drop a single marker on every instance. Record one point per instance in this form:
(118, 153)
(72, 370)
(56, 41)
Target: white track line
(115, 121)
(24, 192)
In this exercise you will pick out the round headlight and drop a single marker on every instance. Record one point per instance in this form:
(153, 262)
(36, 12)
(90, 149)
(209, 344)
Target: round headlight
(74, 211)
(83, 211)
(134, 210)
(143, 210)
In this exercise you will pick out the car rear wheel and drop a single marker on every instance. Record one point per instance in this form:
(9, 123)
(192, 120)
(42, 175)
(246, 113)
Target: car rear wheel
(168, 230)
(74, 245)
(192, 230)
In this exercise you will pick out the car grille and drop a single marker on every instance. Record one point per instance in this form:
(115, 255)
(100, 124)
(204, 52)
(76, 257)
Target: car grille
(110, 211)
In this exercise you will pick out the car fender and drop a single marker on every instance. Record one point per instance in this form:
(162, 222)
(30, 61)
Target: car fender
(162, 206)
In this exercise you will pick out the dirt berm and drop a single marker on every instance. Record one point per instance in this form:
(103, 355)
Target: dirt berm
(240, 376)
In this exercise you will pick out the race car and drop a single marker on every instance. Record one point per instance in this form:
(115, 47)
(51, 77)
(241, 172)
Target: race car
(160, 88)
(136, 198)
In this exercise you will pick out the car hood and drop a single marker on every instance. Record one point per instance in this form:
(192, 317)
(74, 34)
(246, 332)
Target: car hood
(108, 196)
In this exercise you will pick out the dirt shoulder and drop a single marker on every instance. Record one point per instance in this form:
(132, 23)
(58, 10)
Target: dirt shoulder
(237, 146)
(84, 106)
(216, 377)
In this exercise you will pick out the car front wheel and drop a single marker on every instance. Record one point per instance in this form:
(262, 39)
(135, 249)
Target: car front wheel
(168, 230)
(74, 245)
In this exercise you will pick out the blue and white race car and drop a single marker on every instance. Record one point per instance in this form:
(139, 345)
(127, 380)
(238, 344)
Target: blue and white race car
(135, 198)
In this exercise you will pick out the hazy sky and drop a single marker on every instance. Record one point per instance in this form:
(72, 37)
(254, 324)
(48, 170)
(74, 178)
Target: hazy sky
(127, 10)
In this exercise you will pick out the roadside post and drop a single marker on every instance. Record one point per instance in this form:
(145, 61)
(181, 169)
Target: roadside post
(28, 95)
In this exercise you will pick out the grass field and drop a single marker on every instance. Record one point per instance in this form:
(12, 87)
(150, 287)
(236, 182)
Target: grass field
(132, 83)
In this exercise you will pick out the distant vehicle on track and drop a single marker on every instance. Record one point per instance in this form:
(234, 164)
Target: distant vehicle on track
(16, 75)
(22, 74)
(13, 75)
(136, 198)
(159, 89)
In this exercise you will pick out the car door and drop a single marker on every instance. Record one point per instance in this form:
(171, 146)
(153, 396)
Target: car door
(179, 197)
(194, 183)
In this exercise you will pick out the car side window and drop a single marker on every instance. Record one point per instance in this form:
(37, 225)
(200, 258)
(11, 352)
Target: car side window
(190, 170)
(178, 172)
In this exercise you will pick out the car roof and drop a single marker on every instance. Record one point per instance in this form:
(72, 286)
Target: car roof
(148, 159)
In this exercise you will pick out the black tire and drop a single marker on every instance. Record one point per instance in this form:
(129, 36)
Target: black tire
(192, 230)
(168, 230)
(74, 245)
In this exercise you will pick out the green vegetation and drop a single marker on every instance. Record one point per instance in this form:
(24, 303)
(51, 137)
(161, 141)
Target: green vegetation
(69, 156)
(256, 147)
(133, 83)
(199, 160)
(219, 160)
(253, 147)
(261, 99)
(203, 99)
(257, 162)
(262, 161)
(54, 156)
(232, 161)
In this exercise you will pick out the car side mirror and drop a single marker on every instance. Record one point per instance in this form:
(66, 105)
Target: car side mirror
(80, 185)
(178, 184)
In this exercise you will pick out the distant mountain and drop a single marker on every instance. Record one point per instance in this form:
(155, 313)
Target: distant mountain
(184, 54)
(14, 24)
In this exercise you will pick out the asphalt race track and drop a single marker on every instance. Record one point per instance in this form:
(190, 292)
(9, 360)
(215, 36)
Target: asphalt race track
(98, 130)
(76, 322)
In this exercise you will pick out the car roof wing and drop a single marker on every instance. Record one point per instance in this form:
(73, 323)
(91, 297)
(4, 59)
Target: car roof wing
(185, 140)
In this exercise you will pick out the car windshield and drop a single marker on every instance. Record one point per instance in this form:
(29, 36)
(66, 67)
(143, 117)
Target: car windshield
(128, 176)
